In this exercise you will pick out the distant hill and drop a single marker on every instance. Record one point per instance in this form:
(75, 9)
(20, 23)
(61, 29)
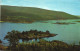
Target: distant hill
(78, 16)
(31, 14)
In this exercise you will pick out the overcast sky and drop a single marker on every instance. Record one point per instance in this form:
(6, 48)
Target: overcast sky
(69, 6)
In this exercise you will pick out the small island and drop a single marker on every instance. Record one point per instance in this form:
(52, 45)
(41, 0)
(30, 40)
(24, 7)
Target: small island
(42, 45)
(29, 35)
(63, 23)
(77, 21)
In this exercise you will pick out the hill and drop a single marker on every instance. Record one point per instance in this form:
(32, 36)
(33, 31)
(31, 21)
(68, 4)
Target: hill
(78, 16)
(31, 14)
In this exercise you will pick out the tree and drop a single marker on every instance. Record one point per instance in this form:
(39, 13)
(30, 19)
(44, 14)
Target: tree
(12, 37)
(47, 32)
(0, 41)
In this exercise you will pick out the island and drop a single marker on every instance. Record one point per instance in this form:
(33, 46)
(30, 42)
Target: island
(77, 21)
(29, 35)
(64, 23)
(42, 45)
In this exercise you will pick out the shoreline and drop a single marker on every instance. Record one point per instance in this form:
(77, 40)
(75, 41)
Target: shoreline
(31, 21)
(1, 21)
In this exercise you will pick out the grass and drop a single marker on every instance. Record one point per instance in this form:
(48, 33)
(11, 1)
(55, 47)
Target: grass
(1, 21)
(44, 45)
(3, 47)
(31, 14)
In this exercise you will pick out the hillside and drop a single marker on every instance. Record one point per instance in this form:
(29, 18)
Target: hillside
(31, 14)
(78, 16)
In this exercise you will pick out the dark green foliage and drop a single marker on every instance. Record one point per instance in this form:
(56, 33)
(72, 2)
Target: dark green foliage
(44, 45)
(31, 14)
(0, 41)
(12, 38)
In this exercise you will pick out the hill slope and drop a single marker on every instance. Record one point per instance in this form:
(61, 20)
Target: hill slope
(30, 14)
(78, 16)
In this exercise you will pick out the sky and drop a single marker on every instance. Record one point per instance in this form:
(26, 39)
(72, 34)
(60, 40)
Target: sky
(68, 6)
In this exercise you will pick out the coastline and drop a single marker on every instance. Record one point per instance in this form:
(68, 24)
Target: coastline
(1, 21)
(34, 21)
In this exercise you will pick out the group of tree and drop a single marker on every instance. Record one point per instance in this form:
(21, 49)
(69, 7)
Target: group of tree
(42, 45)
(14, 36)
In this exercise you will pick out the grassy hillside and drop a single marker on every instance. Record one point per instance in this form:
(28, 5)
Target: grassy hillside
(31, 14)
(78, 16)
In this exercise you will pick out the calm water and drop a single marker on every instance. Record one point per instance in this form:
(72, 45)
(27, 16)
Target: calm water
(67, 33)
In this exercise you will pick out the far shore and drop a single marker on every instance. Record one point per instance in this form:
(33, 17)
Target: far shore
(34, 21)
